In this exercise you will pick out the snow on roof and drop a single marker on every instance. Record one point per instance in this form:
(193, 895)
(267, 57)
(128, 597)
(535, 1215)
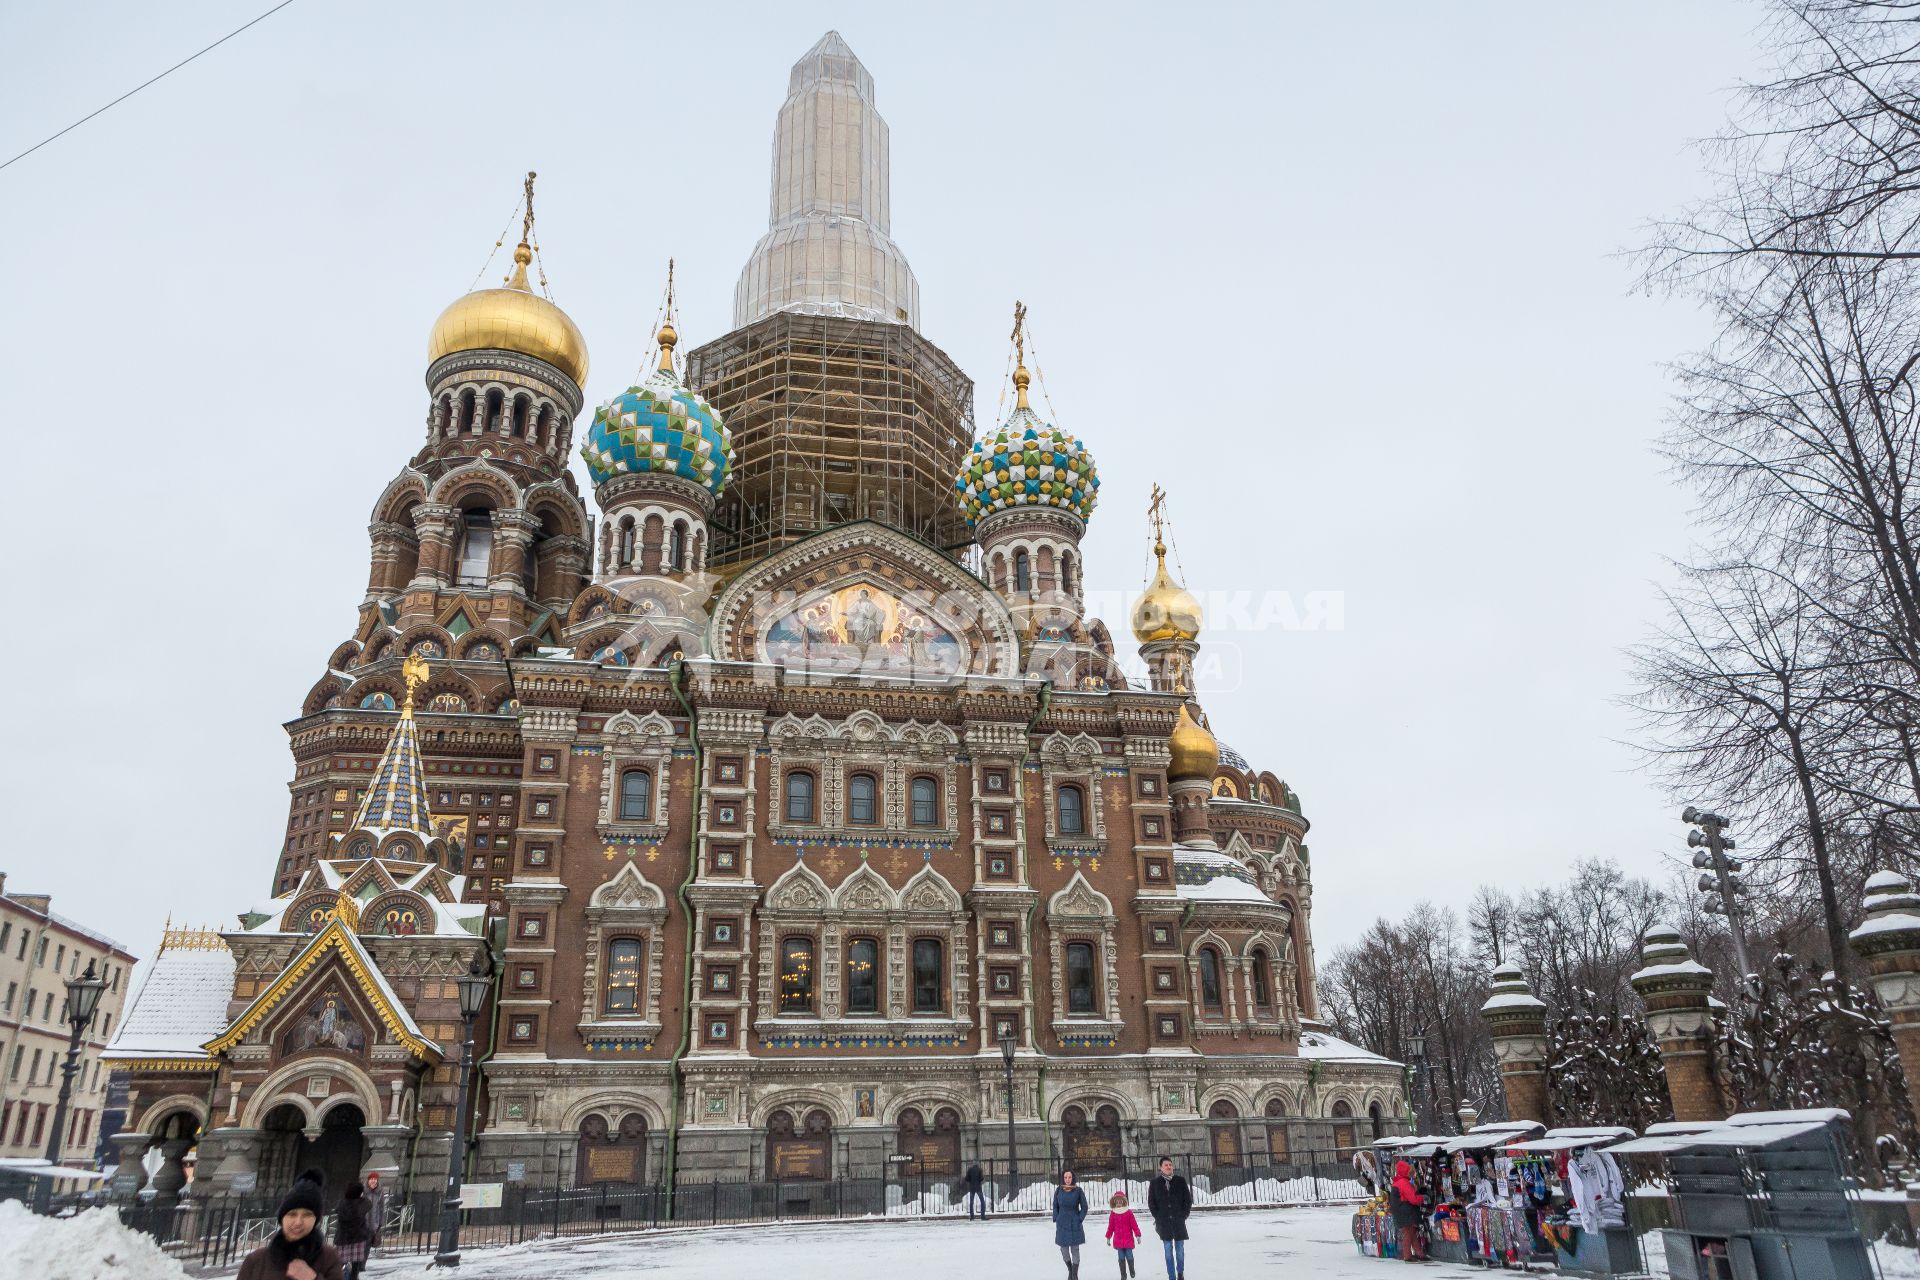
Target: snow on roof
(1513, 1000)
(1318, 1044)
(182, 1004)
(1208, 875)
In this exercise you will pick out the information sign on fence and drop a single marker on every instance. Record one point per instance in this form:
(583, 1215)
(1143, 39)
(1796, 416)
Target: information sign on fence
(516, 1171)
(480, 1195)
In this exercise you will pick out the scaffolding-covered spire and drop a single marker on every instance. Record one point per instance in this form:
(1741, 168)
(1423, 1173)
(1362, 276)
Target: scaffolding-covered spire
(828, 251)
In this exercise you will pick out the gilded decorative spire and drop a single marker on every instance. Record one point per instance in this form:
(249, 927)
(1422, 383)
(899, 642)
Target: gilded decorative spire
(413, 670)
(396, 798)
(524, 253)
(1021, 378)
(668, 336)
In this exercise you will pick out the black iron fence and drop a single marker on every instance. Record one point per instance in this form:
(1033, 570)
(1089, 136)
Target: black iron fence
(220, 1231)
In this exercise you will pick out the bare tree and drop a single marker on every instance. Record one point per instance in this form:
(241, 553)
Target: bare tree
(1822, 159)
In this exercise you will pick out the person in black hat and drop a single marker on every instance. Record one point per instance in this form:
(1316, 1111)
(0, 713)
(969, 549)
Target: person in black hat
(298, 1250)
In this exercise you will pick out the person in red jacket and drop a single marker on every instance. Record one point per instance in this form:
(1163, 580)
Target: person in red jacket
(1123, 1232)
(1407, 1203)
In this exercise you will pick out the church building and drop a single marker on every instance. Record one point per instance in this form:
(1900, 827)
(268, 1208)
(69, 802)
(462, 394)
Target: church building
(779, 786)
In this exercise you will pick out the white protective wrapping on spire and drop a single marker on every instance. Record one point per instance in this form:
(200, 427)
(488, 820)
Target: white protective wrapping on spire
(827, 250)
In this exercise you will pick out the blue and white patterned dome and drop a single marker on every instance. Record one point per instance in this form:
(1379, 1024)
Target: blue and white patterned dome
(661, 427)
(1027, 463)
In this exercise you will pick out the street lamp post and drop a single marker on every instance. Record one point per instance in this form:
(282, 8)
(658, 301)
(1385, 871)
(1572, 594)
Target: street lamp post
(1417, 1055)
(473, 993)
(1719, 875)
(1013, 1160)
(83, 1001)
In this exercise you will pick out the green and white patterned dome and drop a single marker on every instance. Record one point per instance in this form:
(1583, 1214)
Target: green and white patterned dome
(662, 427)
(1027, 463)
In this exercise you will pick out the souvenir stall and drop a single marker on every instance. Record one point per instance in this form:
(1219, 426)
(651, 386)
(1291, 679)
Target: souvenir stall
(1573, 1197)
(1474, 1221)
(1374, 1234)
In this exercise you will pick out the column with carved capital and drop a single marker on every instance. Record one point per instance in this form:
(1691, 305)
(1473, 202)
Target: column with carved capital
(1888, 940)
(1517, 1021)
(1678, 992)
(436, 524)
(514, 531)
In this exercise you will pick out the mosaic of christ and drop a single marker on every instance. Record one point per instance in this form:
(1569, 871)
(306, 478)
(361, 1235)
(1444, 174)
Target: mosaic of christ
(864, 628)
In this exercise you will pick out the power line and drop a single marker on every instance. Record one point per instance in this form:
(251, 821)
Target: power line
(137, 88)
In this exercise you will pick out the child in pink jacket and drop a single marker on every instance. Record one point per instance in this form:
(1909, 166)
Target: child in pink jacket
(1123, 1232)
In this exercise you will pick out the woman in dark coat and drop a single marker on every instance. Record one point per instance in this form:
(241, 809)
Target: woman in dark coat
(1406, 1203)
(297, 1251)
(353, 1229)
(1069, 1219)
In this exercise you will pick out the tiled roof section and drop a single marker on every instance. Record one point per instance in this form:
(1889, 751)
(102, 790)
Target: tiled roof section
(397, 798)
(1228, 756)
(182, 1004)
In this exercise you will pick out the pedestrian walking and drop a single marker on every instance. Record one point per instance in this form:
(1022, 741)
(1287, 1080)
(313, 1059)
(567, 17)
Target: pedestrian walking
(1123, 1232)
(353, 1229)
(377, 1209)
(1170, 1200)
(298, 1250)
(1405, 1204)
(974, 1179)
(1069, 1222)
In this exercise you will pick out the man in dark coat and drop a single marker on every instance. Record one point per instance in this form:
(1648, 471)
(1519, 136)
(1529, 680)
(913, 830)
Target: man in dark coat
(1170, 1200)
(974, 1179)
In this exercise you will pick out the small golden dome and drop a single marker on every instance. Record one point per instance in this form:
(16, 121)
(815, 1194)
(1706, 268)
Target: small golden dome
(1195, 754)
(1167, 610)
(512, 318)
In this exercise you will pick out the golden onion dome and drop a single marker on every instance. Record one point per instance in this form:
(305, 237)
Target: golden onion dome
(1167, 610)
(1195, 753)
(512, 318)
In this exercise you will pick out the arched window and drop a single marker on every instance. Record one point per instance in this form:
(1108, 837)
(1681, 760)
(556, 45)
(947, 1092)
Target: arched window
(928, 975)
(1379, 1121)
(862, 792)
(1080, 978)
(1022, 571)
(1262, 979)
(863, 975)
(677, 547)
(626, 543)
(622, 987)
(796, 975)
(1343, 1127)
(476, 546)
(636, 796)
(1073, 810)
(926, 802)
(1210, 980)
(1066, 575)
(799, 796)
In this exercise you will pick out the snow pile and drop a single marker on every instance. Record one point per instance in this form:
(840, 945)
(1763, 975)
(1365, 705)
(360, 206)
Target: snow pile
(90, 1246)
(1896, 1262)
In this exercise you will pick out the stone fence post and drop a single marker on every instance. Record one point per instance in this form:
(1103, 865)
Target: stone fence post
(1888, 940)
(1678, 991)
(1517, 1021)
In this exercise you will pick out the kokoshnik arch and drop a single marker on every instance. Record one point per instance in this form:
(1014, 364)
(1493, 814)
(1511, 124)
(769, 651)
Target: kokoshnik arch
(783, 790)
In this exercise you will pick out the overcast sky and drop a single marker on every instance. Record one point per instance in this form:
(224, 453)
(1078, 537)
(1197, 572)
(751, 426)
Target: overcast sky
(1344, 279)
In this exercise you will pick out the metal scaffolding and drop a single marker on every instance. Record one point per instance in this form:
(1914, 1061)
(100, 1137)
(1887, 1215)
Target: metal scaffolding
(835, 420)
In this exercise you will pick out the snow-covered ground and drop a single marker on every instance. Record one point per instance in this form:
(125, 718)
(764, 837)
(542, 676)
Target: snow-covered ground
(1308, 1242)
